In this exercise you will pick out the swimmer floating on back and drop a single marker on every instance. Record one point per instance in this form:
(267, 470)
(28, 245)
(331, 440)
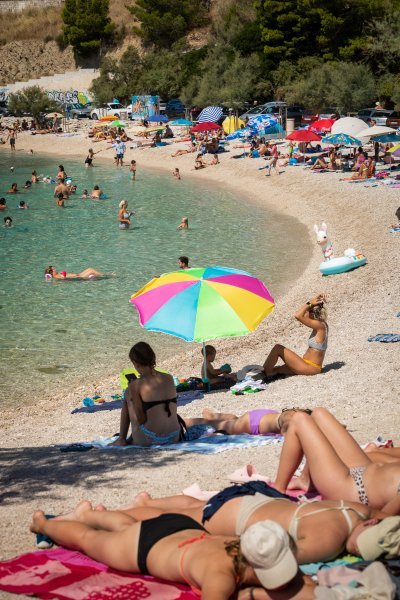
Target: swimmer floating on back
(85, 274)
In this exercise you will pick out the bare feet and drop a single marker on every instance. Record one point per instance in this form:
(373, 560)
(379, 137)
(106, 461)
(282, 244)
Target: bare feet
(38, 521)
(208, 414)
(139, 500)
(76, 514)
(119, 442)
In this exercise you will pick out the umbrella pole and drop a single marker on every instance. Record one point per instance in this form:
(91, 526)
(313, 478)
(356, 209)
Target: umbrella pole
(205, 378)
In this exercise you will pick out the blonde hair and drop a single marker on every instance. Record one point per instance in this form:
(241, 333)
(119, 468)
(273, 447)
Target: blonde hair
(239, 561)
(318, 312)
(123, 203)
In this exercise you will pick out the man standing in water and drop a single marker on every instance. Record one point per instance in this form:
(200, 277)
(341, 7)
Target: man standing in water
(119, 152)
(61, 188)
(183, 262)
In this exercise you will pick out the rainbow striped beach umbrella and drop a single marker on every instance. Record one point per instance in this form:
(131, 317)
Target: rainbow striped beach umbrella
(203, 304)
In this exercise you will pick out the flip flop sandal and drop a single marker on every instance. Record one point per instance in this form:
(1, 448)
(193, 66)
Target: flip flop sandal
(43, 541)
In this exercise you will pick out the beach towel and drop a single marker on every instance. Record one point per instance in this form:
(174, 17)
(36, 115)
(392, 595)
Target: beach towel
(213, 444)
(385, 337)
(69, 575)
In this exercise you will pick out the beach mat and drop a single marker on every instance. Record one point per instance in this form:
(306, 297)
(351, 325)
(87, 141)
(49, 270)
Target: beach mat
(69, 575)
(213, 444)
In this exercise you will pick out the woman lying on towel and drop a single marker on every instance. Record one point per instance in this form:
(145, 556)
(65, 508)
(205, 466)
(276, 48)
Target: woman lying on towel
(237, 508)
(260, 421)
(149, 403)
(338, 467)
(176, 548)
(313, 315)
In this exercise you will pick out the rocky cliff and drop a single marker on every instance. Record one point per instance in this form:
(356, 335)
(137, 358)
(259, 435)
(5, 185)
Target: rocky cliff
(20, 61)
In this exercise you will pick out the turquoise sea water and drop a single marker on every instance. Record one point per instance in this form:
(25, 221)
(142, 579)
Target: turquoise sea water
(65, 334)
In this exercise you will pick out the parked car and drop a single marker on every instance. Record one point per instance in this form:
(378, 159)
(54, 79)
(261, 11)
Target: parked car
(4, 112)
(308, 117)
(374, 114)
(269, 108)
(114, 109)
(175, 108)
(329, 113)
(393, 120)
(78, 111)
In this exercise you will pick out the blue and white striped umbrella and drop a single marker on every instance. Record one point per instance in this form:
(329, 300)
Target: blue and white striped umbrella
(210, 114)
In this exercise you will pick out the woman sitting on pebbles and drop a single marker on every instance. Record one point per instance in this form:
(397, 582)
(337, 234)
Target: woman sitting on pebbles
(149, 403)
(313, 315)
(177, 548)
(337, 466)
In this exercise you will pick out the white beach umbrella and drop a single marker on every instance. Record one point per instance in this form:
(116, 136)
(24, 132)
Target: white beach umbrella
(374, 131)
(349, 125)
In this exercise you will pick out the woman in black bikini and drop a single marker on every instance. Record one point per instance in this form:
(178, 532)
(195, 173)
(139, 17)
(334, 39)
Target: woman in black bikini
(176, 548)
(149, 403)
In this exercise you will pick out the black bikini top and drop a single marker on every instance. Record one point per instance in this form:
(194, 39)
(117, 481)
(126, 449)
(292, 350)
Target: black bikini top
(148, 405)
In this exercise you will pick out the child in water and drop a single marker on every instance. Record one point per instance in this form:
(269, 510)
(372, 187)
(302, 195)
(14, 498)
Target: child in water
(60, 199)
(85, 194)
(176, 174)
(7, 222)
(132, 170)
(184, 224)
(223, 374)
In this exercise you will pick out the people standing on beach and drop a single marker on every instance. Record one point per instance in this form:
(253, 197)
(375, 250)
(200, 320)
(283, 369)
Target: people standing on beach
(149, 405)
(124, 215)
(313, 315)
(337, 466)
(132, 170)
(61, 188)
(184, 224)
(13, 189)
(274, 160)
(176, 173)
(12, 136)
(177, 548)
(183, 262)
(119, 152)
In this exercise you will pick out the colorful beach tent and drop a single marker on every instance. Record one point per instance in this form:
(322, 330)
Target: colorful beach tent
(395, 150)
(203, 304)
(303, 135)
(231, 124)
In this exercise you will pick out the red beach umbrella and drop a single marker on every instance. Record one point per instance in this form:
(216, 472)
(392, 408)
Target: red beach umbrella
(205, 126)
(323, 125)
(303, 135)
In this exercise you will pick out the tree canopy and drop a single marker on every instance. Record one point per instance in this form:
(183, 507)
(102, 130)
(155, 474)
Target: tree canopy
(32, 100)
(87, 25)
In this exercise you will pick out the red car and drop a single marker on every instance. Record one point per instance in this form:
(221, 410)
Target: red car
(393, 120)
(308, 117)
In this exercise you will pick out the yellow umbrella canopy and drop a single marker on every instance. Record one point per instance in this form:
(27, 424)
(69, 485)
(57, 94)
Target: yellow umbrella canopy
(231, 124)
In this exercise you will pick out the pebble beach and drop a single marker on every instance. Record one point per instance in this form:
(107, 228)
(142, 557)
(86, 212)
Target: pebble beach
(359, 383)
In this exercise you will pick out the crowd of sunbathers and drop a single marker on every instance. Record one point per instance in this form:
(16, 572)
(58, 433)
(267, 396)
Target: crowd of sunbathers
(249, 538)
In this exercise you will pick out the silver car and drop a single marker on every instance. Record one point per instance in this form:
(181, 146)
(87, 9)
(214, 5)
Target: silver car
(78, 111)
(374, 114)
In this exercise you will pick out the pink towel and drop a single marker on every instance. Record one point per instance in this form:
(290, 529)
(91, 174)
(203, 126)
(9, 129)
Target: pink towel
(67, 575)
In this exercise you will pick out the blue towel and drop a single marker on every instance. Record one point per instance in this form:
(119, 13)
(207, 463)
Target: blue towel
(385, 337)
(208, 445)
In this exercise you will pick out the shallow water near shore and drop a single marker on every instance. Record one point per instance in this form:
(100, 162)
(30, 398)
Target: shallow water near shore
(60, 335)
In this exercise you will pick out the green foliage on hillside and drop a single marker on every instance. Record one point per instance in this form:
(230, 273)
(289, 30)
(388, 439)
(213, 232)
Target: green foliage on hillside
(164, 22)
(87, 25)
(312, 52)
(32, 100)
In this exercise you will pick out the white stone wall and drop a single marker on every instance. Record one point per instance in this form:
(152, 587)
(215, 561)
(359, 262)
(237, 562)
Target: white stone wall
(15, 5)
